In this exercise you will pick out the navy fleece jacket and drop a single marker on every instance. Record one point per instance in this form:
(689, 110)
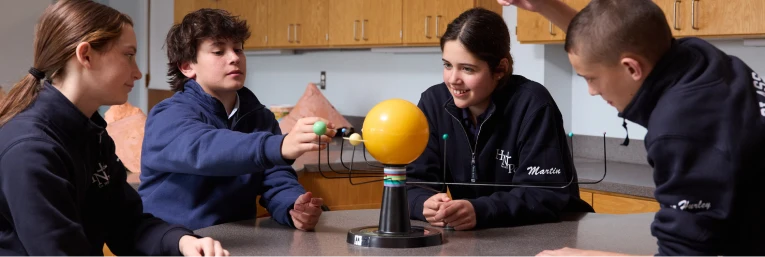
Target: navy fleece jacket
(65, 192)
(705, 115)
(199, 169)
(521, 141)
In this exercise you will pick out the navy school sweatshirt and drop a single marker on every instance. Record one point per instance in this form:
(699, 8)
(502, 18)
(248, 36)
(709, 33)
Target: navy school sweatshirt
(65, 192)
(704, 112)
(199, 168)
(521, 141)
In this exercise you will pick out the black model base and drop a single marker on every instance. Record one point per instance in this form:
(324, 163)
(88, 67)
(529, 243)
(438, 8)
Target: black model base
(372, 237)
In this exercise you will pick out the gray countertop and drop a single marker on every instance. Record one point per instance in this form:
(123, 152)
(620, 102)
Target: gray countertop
(621, 177)
(628, 233)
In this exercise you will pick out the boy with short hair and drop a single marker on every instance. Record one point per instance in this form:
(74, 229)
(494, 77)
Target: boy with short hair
(212, 148)
(705, 115)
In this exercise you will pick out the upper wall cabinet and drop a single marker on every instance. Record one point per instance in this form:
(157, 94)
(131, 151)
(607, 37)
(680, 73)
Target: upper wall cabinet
(715, 18)
(279, 24)
(533, 28)
(701, 18)
(255, 12)
(297, 23)
(183, 7)
(364, 22)
(425, 21)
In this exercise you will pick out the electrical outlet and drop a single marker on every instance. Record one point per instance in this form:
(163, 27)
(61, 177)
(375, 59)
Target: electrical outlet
(323, 82)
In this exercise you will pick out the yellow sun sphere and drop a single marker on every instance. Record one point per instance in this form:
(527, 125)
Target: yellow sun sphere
(395, 132)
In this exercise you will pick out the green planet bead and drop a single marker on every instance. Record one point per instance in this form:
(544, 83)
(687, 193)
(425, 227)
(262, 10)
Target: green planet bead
(320, 128)
(570, 134)
(445, 136)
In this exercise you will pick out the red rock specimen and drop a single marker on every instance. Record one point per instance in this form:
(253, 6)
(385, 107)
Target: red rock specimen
(313, 104)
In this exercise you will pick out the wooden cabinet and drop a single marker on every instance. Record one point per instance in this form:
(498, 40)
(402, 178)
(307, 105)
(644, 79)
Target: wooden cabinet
(281, 23)
(382, 25)
(714, 18)
(700, 18)
(532, 27)
(676, 16)
(364, 22)
(417, 20)
(312, 23)
(255, 12)
(586, 196)
(290, 24)
(183, 7)
(296, 24)
(612, 203)
(446, 12)
(339, 194)
(425, 21)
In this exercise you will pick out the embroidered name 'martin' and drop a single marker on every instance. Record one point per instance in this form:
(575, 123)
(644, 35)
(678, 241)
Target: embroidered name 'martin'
(535, 170)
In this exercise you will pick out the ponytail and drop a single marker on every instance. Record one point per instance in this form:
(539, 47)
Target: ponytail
(62, 26)
(21, 95)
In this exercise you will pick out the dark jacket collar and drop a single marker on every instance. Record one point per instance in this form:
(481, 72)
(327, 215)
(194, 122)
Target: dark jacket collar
(247, 100)
(62, 114)
(668, 70)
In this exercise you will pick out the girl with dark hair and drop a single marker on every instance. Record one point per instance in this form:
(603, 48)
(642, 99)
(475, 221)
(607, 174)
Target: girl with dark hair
(63, 191)
(501, 128)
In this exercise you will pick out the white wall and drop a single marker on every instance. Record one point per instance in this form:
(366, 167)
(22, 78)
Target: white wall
(355, 81)
(137, 10)
(17, 27)
(593, 116)
(161, 19)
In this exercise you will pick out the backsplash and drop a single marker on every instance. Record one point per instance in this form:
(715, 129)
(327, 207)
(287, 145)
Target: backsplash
(584, 146)
(591, 147)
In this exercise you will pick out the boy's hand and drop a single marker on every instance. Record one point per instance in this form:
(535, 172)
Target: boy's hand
(302, 139)
(431, 207)
(306, 212)
(192, 246)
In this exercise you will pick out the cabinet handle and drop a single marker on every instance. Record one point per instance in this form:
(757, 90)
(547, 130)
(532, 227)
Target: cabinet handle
(363, 32)
(427, 20)
(297, 39)
(551, 29)
(693, 14)
(354, 29)
(674, 14)
(289, 39)
(438, 17)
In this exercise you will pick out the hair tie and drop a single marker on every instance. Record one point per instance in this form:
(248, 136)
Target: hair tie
(36, 73)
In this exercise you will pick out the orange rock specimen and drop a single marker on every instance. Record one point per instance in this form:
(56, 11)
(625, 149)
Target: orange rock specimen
(126, 127)
(313, 104)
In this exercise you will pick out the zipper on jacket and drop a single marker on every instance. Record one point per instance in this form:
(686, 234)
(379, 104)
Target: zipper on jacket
(236, 121)
(473, 172)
